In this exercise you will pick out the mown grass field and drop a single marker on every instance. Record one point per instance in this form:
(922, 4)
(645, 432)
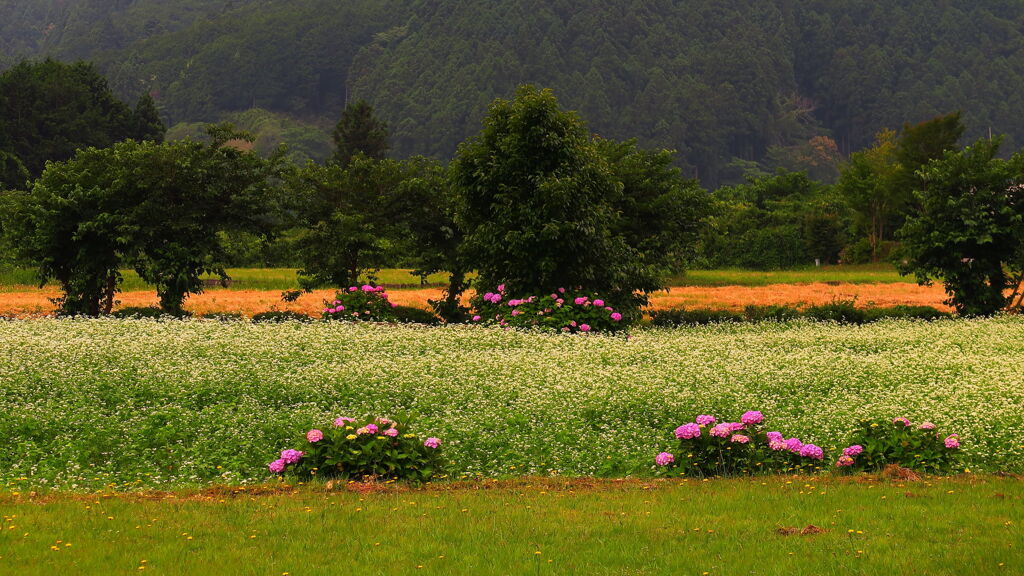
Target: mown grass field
(91, 403)
(723, 527)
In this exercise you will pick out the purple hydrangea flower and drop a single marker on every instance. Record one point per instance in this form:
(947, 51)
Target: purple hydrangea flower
(432, 442)
(853, 450)
(721, 430)
(952, 442)
(616, 316)
(664, 459)
(705, 420)
(794, 445)
(812, 451)
(277, 466)
(688, 431)
(752, 417)
(291, 456)
(775, 437)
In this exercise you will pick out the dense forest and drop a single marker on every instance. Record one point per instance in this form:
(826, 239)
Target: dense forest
(738, 87)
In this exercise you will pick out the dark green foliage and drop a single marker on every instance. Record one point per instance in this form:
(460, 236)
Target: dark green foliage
(538, 205)
(779, 221)
(841, 311)
(354, 451)
(726, 82)
(359, 132)
(755, 313)
(50, 109)
(413, 315)
(146, 122)
(905, 445)
(225, 317)
(921, 143)
(904, 312)
(157, 208)
(145, 312)
(699, 316)
(277, 316)
(360, 217)
(969, 232)
(13, 174)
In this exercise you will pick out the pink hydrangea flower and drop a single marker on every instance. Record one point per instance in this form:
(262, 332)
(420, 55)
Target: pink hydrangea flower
(616, 316)
(516, 312)
(705, 420)
(432, 442)
(735, 426)
(580, 300)
(752, 417)
(901, 420)
(739, 439)
(561, 290)
(844, 460)
(811, 451)
(926, 426)
(291, 456)
(774, 436)
(721, 430)
(599, 303)
(777, 445)
(664, 459)
(794, 445)
(314, 436)
(339, 422)
(952, 441)
(476, 318)
(688, 431)
(384, 421)
(584, 327)
(853, 450)
(363, 430)
(372, 428)
(277, 466)
(352, 289)
(336, 302)
(501, 287)
(392, 432)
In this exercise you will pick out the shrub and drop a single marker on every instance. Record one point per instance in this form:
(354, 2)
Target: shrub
(368, 448)
(146, 312)
(905, 312)
(278, 316)
(361, 303)
(755, 313)
(878, 444)
(682, 316)
(413, 315)
(707, 448)
(225, 316)
(841, 311)
(560, 311)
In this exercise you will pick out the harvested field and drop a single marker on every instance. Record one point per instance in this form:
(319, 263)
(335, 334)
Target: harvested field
(249, 302)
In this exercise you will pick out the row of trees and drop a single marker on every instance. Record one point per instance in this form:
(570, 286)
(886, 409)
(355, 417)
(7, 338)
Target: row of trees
(533, 202)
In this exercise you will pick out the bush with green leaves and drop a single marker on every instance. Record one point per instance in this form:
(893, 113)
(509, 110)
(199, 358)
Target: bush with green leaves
(146, 312)
(364, 303)
(840, 311)
(363, 449)
(561, 310)
(682, 316)
(919, 447)
(414, 315)
(707, 447)
(278, 316)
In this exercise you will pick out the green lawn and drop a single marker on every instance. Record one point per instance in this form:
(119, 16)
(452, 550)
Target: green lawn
(243, 279)
(284, 278)
(723, 527)
(851, 274)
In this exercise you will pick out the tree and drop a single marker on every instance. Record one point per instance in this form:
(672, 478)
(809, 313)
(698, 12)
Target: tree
(921, 143)
(49, 109)
(357, 217)
(157, 208)
(12, 172)
(146, 122)
(867, 183)
(538, 205)
(359, 131)
(970, 228)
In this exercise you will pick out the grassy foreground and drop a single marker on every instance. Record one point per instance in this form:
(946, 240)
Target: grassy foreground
(963, 526)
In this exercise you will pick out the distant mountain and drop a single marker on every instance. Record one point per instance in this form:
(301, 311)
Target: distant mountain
(728, 83)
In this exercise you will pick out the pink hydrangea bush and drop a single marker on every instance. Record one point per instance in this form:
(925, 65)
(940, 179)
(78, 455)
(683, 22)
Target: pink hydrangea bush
(363, 448)
(708, 447)
(876, 444)
(364, 303)
(561, 310)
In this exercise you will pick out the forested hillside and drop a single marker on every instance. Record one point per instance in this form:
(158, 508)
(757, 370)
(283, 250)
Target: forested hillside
(734, 85)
